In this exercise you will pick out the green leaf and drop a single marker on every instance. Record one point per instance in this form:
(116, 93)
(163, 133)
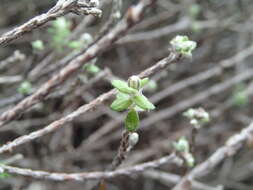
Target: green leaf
(132, 120)
(122, 95)
(151, 86)
(38, 45)
(123, 87)
(91, 68)
(141, 101)
(4, 175)
(75, 44)
(144, 82)
(121, 104)
(139, 109)
(25, 88)
(190, 161)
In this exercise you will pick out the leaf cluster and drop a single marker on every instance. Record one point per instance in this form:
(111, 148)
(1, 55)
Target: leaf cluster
(130, 97)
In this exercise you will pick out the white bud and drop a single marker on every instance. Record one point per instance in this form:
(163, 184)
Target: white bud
(133, 139)
(189, 159)
(190, 113)
(1, 170)
(87, 38)
(194, 122)
(94, 3)
(134, 82)
(117, 15)
(182, 145)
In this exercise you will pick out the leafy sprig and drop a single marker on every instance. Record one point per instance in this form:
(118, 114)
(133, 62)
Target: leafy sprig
(198, 117)
(182, 146)
(130, 97)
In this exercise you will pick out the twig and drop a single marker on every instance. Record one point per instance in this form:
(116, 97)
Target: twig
(172, 58)
(61, 8)
(232, 146)
(10, 79)
(204, 75)
(17, 56)
(168, 112)
(133, 16)
(169, 179)
(122, 152)
(172, 159)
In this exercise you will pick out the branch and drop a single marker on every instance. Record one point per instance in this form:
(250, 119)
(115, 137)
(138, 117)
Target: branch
(172, 159)
(232, 146)
(132, 16)
(168, 179)
(172, 58)
(15, 57)
(61, 8)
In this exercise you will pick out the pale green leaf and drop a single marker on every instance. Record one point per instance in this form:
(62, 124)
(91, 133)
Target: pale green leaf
(123, 87)
(144, 82)
(141, 101)
(121, 104)
(132, 120)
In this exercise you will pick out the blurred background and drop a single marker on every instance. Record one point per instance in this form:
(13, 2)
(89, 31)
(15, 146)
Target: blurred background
(217, 78)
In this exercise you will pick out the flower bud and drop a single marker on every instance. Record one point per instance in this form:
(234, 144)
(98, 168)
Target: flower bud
(134, 82)
(86, 38)
(189, 159)
(183, 45)
(94, 3)
(133, 139)
(182, 145)
(25, 88)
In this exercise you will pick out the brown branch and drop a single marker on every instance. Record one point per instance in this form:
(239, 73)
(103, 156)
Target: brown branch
(172, 159)
(133, 16)
(61, 8)
(232, 146)
(172, 58)
(122, 151)
(168, 179)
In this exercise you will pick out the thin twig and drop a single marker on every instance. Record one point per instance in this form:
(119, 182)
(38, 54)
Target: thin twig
(132, 17)
(232, 146)
(172, 159)
(172, 58)
(17, 56)
(61, 8)
(169, 179)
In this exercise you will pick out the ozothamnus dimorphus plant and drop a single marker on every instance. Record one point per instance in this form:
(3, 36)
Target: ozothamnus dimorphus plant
(130, 97)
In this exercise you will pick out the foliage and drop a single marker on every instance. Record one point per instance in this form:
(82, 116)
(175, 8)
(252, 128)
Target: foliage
(130, 97)
(25, 88)
(38, 45)
(240, 97)
(198, 117)
(183, 45)
(59, 32)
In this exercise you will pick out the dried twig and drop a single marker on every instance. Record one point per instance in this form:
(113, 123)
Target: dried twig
(215, 89)
(232, 146)
(133, 16)
(172, 58)
(17, 56)
(61, 8)
(172, 159)
(169, 179)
